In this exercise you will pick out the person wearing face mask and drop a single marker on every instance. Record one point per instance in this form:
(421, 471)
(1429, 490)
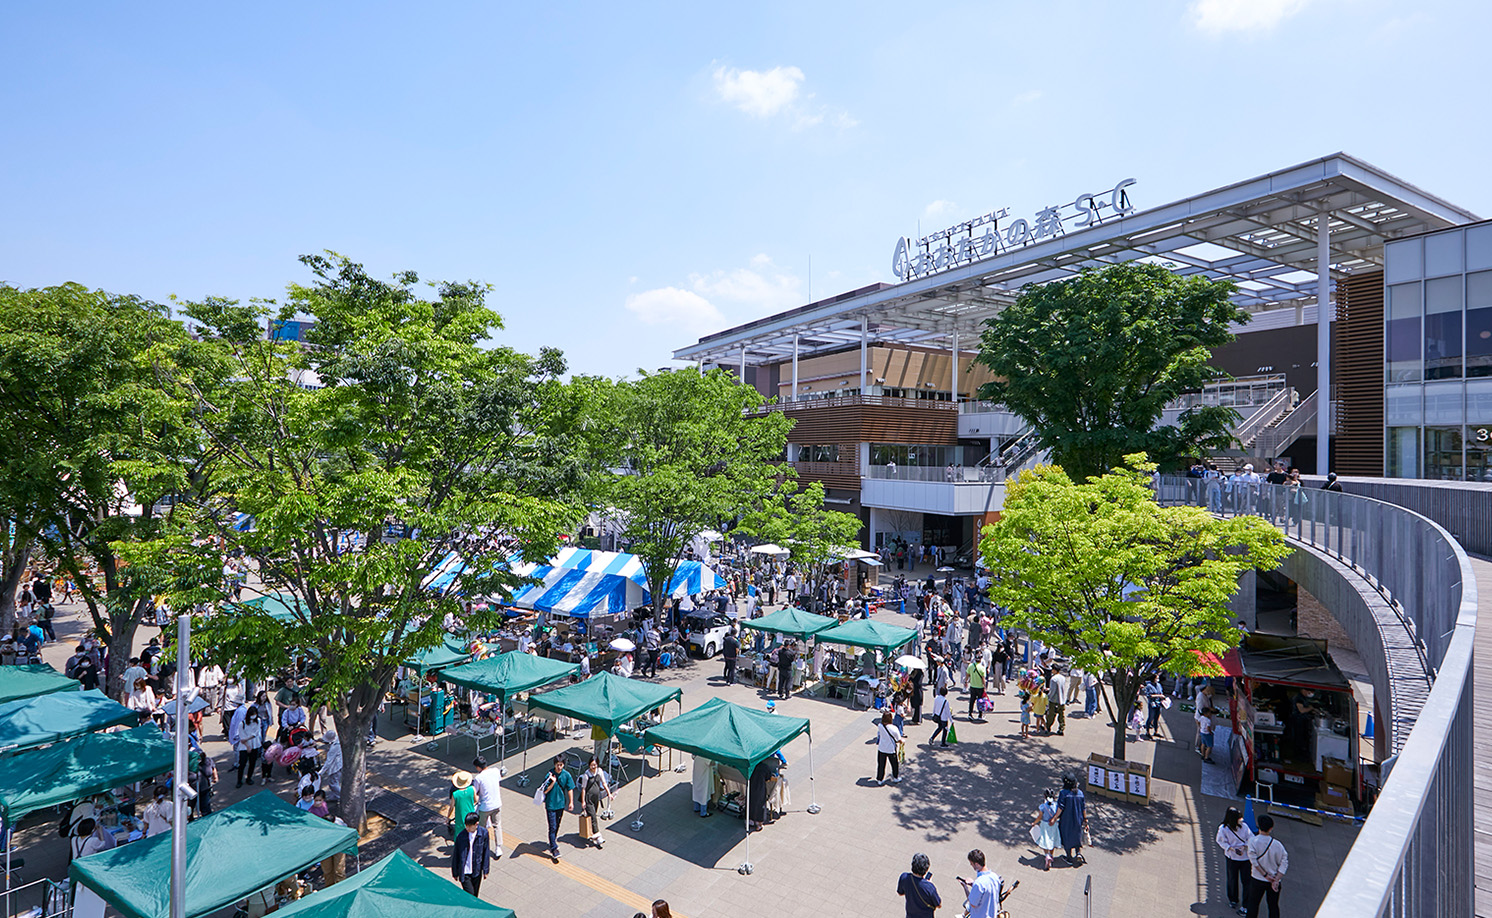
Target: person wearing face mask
(595, 796)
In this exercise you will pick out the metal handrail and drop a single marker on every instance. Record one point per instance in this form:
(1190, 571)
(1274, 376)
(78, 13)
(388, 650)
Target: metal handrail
(1250, 428)
(1271, 440)
(1414, 855)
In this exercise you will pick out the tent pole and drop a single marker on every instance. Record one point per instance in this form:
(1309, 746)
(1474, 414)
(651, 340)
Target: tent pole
(746, 867)
(179, 790)
(642, 778)
(813, 804)
(523, 778)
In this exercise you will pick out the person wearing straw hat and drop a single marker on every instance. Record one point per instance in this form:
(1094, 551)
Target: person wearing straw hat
(463, 800)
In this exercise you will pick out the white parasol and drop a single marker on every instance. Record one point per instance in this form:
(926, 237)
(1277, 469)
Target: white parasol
(911, 662)
(622, 644)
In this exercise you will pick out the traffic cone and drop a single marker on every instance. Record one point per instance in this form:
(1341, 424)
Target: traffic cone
(1248, 814)
(1368, 733)
(952, 734)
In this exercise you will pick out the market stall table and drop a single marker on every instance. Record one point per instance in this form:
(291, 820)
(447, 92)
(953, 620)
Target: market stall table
(506, 675)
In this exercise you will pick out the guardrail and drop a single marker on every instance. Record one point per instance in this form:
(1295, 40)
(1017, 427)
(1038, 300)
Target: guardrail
(956, 475)
(1414, 855)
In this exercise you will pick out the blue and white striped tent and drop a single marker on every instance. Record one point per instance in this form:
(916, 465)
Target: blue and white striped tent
(451, 566)
(243, 522)
(579, 581)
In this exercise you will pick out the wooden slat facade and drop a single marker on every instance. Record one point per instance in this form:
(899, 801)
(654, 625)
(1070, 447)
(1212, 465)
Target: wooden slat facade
(1359, 375)
(849, 425)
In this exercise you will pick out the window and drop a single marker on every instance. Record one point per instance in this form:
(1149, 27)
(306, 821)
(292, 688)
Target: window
(818, 453)
(1443, 328)
(1479, 452)
(1402, 339)
(1403, 452)
(1479, 324)
(1443, 453)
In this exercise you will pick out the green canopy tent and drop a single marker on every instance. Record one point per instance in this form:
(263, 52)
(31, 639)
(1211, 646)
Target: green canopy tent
(30, 722)
(395, 887)
(506, 675)
(32, 679)
(607, 700)
(739, 736)
(792, 622)
(230, 855)
(862, 632)
(450, 652)
(283, 607)
(872, 635)
(80, 767)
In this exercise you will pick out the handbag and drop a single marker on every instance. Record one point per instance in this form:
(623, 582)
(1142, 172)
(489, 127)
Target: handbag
(539, 795)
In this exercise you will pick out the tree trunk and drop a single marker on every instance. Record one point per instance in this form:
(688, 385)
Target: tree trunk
(12, 568)
(121, 643)
(1126, 693)
(352, 717)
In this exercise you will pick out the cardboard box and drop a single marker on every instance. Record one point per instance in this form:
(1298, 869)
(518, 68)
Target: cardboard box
(1334, 800)
(1098, 775)
(1138, 789)
(1336, 773)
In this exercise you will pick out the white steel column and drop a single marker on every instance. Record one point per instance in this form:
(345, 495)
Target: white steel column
(864, 341)
(955, 366)
(1323, 343)
(795, 368)
(743, 364)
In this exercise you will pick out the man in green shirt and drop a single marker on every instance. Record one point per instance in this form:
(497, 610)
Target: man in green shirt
(559, 791)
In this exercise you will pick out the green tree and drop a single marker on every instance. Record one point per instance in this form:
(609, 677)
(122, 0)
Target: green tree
(800, 522)
(96, 443)
(692, 451)
(392, 438)
(1116, 583)
(1090, 363)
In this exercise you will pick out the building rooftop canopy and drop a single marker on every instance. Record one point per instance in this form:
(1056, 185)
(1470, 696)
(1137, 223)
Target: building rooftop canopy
(1259, 233)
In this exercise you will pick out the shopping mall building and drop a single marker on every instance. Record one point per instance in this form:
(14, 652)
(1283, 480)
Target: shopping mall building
(1369, 352)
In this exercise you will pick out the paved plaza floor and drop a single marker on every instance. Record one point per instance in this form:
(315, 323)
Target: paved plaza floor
(1145, 861)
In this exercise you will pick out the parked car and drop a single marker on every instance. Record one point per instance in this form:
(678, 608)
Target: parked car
(705, 633)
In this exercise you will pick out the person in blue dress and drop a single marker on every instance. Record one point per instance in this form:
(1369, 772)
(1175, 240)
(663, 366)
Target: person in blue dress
(1072, 819)
(1044, 828)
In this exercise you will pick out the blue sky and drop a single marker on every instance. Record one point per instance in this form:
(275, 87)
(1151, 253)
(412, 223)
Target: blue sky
(630, 176)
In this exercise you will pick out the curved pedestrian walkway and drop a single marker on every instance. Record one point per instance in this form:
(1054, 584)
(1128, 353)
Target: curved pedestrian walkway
(1482, 737)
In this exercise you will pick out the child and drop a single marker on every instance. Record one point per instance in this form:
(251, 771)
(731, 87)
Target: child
(1038, 701)
(1025, 698)
(1204, 727)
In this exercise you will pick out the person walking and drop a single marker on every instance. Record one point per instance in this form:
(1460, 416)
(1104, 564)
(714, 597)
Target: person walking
(1044, 828)
(917, 889)
(915, 691)
(487, 782)
(888, 742)
(1154, 695)
(1072, 820)
(1268, 862)
(558, 793)
(248, 744)
(1233, 837)
(595, 792)
(975, 673)
(471, 859)
(942, 715)
(1056, 706)
(463, 800)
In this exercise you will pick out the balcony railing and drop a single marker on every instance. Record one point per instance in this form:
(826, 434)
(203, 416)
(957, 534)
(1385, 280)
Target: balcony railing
(1414, 855)
(880, 401)
(954, 475)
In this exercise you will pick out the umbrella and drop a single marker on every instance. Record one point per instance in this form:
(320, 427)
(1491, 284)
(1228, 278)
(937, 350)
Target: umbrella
(623, 645)
(768, 549)
(911, 662)
(198, 703)
(945, 569)
(710, 535)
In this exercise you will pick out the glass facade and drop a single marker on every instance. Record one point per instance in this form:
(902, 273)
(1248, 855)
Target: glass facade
(1438, 355)
(913, 455)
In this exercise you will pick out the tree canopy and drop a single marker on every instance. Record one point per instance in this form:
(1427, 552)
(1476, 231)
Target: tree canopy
(1116, 583)
(799, 521)
(391, 437)
(96, 443)
(692, 451)
(1090, 363)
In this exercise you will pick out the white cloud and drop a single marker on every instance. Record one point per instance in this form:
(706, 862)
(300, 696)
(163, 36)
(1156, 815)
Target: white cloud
(1216, 17)
(1027, 97)
(759, 93)
(683, 309)
(763, 286)
(939, 210)
(779, 91)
